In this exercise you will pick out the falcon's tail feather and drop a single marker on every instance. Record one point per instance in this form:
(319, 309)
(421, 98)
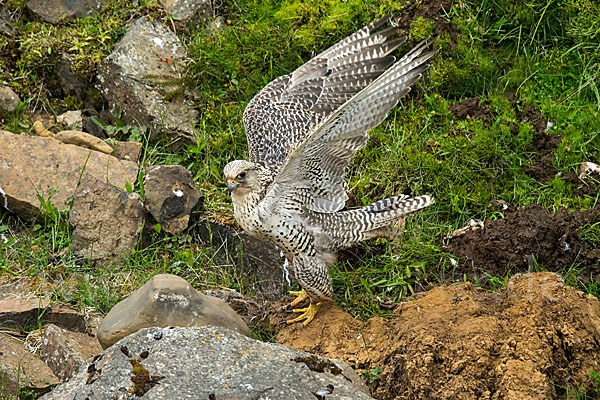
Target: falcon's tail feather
(388, 211)
(380, 218)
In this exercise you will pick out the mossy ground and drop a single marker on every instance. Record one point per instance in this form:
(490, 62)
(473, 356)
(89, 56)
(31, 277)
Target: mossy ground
(544, 54)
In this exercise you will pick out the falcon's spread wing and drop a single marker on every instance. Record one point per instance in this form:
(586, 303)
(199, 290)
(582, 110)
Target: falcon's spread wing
(282, 115)
(314, 173)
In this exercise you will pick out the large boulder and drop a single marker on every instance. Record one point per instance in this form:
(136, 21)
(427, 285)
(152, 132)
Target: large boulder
(207, 363)
(32, 166)
(148, 52)
(166, 300)
(107, 222)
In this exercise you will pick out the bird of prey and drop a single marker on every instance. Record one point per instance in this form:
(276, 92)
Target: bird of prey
(303, 129)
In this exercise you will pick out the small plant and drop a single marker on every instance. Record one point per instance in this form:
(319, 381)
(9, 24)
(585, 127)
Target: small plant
(372, 375)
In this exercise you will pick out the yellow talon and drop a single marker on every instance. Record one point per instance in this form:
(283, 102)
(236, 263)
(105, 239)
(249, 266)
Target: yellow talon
(308, 314)
(301, 297)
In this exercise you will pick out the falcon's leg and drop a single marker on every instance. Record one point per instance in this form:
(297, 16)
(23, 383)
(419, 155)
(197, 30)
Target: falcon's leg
(301, 297)
(313, 276)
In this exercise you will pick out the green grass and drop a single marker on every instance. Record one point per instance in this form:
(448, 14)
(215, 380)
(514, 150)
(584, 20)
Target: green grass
(546, 53)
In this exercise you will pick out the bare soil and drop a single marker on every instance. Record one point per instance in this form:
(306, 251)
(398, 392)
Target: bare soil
(525, 236)
(530, 340)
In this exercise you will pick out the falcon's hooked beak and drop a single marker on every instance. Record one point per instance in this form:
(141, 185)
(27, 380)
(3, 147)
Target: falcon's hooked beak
(231, 185)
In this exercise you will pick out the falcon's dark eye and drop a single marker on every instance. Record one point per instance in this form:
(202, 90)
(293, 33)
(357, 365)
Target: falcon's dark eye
(242, 175)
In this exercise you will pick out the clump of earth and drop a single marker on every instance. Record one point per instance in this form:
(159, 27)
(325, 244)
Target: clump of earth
(526, 237)
(533, 339)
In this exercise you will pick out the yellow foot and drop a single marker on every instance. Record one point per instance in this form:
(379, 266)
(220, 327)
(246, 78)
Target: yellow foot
(301, 297)
(308, 314)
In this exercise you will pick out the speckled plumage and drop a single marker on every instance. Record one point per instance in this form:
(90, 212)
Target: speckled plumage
(303, 129)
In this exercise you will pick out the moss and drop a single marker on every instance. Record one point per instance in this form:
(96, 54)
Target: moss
(421, 28)
(16, 4)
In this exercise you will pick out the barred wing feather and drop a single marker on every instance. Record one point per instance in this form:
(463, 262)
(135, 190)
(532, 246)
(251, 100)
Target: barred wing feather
(313, 176)
(282, 115)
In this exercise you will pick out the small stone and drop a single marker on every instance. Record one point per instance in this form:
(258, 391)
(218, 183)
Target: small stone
(107, 222)
(83, 139)
(129, 151)
(21, 370)
(15, 287)
(170, 196)
(38, 128)
(7, 20)
(71, 119)
(215, 26)
(64, 351)
(589, 168)
(166, 300)
(9, 101)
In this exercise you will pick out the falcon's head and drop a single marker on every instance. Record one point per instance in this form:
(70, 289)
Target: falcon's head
(242, 176)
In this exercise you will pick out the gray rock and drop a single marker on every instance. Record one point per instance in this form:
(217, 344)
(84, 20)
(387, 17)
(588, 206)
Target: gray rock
(207, 363)
(262, 264)
(127, 151)
(32, 165)
(54, 11)
(9, 101)
(64, 351)
(7, 19)
(188, 12)
(170, 196)
(72, 119)
(19, 368)
(91, 126)
(107, 222)
(148, 49)
(166, 300)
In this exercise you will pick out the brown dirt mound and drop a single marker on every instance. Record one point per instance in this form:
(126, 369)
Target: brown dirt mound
(530, 340)
(527, 234)
(473, 108)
